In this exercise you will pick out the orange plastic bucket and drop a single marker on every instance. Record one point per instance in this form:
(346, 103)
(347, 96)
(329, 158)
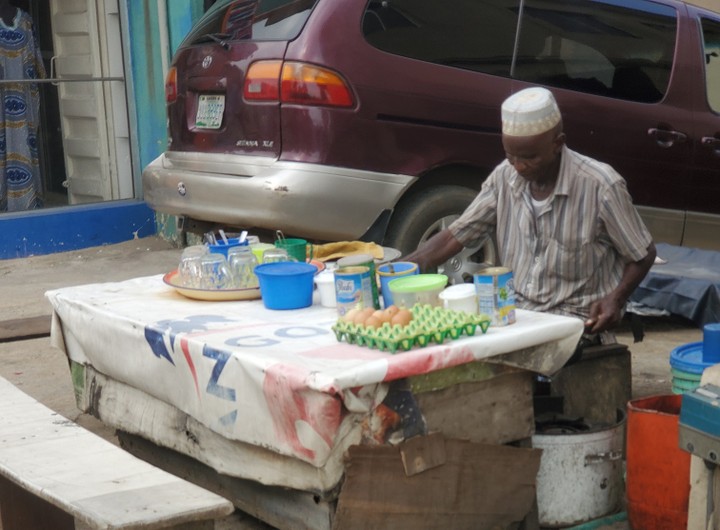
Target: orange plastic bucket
(658, 471)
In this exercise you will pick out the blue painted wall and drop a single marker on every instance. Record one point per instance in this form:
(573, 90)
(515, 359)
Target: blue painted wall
(60, 230)
(148, 79)
(146, 66)
(181, 17)
(148, 85)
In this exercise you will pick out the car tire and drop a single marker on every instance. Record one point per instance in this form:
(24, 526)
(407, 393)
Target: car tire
(427, 213)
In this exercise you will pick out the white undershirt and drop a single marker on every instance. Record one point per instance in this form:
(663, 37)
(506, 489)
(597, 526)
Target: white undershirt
(538, 205)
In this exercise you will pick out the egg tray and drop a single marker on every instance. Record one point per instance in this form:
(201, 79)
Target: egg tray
(429, 325)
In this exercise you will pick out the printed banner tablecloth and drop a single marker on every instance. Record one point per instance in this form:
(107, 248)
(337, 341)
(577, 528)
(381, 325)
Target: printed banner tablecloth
(276, 379)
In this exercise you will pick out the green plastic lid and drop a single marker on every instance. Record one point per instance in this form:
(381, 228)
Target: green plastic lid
(418, 283)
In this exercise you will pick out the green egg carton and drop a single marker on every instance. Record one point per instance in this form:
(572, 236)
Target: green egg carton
(430, 325)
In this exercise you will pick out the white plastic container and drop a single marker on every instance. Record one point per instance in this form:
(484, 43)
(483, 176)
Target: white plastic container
(461, 297)
(325, 282)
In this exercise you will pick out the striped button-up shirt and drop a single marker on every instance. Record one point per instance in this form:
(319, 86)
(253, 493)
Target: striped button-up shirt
(574, 251)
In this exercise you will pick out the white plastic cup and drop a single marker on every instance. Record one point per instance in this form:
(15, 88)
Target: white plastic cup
(460, 297)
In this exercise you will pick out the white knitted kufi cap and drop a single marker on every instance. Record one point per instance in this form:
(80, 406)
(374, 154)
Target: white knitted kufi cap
(529, 112)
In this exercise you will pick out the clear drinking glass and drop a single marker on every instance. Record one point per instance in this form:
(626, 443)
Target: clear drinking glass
(242, 264)
(273, 255)
(190, 265)
(215, 272)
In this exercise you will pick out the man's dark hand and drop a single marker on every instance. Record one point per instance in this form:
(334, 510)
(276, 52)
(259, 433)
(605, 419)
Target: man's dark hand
(607, 312)
(436, 250)
(604, 314)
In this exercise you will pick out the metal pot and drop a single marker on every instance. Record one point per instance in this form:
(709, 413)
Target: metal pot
(581, 474)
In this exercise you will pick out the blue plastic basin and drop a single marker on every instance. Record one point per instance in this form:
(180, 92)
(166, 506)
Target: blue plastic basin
(286, 284)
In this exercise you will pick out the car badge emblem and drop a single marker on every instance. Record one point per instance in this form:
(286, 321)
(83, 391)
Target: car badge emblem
(207, 61)
(181, 189)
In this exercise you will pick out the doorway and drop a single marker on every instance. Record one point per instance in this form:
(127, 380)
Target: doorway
(52, 159)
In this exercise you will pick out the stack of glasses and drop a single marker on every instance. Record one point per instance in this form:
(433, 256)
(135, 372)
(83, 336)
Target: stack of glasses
(223, 266)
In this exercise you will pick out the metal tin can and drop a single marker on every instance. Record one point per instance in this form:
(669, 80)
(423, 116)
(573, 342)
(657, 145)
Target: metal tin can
(496, 294)
(364, 260)
(352, 289)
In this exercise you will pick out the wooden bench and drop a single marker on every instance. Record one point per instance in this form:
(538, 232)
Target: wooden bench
(55, 474)
(25, 328)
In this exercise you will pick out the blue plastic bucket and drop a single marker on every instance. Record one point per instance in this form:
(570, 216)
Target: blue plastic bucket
(687, 365)
(286, 284)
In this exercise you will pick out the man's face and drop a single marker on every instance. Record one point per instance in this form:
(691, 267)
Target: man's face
(535, 158)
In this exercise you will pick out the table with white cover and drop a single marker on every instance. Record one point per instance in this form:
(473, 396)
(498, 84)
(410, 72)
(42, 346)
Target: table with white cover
(269, 396)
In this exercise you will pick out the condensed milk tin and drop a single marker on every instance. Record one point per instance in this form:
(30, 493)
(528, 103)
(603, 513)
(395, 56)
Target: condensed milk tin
(364, 260)
(353, 289)
(496, 295)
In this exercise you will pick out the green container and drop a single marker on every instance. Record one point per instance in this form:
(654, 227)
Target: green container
(422, 289)
(683, 382)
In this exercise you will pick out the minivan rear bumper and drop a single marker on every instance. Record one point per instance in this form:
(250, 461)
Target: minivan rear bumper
(309, 200)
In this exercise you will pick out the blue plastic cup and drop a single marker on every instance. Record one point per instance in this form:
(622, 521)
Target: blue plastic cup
(391, 271)
(222, 248)
(711, 343)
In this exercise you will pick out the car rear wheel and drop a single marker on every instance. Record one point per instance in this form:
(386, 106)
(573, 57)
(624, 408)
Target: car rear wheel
(431, 211)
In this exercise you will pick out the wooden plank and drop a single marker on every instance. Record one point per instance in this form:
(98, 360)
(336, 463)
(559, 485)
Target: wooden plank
(35, 512)
(465, 373)
(94, 481)
(479, 486)
(596, 386)
(421, 453)
(283, 508)
(494, 411)
(25, 328)
(126, 408)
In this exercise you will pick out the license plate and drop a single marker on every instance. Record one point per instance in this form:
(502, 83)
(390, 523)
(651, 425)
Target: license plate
(210, 111)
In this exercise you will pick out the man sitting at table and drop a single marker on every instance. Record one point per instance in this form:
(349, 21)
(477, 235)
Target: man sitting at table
(565, 223)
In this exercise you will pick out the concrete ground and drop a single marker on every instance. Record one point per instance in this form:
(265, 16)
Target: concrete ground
(41, 370)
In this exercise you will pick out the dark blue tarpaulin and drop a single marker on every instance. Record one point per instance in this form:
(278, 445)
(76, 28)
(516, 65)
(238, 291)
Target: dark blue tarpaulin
(688, 284)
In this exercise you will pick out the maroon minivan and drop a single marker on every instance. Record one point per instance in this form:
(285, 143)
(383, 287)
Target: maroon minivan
(378, 120)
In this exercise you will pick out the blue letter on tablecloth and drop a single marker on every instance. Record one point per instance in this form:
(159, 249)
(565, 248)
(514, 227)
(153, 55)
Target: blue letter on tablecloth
(213, 387)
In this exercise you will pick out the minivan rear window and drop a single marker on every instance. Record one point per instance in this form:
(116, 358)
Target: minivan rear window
(232, 20)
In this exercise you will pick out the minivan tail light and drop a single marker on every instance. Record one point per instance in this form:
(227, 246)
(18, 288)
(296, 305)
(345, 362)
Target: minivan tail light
(171, 85)
(294, 82)
(312, 85)
(262, 81)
